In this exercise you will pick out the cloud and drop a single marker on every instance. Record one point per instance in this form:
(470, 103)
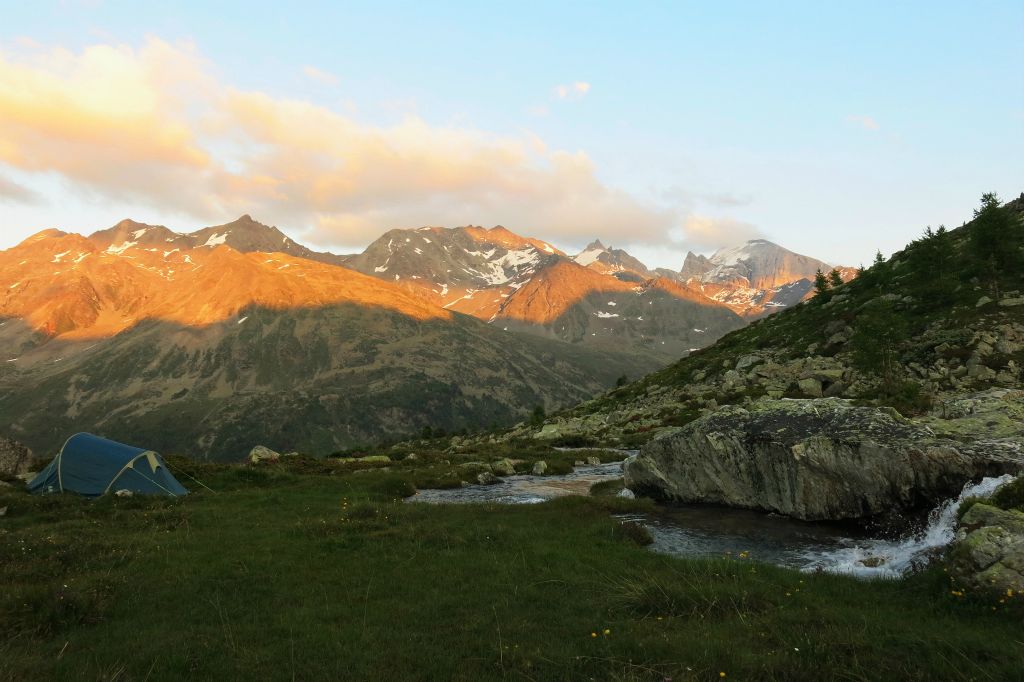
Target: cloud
(153, 125)
(320, 76)
(865, 122)
(577, 90)
(15, 193)
(685, 197)
(708, 233)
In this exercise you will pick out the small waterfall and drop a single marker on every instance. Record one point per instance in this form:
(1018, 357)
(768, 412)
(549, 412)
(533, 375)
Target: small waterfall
(893, 558)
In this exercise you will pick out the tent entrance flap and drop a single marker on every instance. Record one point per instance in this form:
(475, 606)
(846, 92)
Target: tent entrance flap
(91, 466)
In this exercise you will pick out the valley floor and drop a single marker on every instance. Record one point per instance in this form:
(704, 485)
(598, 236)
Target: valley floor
(282, 574)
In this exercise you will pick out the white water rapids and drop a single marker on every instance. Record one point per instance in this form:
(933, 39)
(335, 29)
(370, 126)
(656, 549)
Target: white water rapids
(893, 558)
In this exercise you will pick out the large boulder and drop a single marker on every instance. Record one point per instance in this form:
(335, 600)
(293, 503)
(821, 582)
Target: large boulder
(15, 458)
(261, 453)
(989, 554)
(814, 459)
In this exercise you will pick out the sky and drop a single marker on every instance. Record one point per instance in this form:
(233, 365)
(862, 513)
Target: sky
(835, 129)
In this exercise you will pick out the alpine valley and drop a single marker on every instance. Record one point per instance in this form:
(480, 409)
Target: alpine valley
(237, 334)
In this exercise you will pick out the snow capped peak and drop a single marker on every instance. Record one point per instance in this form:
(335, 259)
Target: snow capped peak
(590, 254)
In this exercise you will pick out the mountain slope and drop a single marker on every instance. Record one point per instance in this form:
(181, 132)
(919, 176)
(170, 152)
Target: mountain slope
(210, 349)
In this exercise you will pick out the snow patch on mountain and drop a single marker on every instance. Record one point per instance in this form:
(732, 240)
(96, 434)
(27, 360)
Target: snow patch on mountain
(216, 240)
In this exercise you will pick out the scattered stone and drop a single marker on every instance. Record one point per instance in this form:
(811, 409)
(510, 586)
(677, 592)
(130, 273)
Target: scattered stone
(540, 467)
(14, 457)
(984, 300)
(124, 492)
(1012, 302)
(503, 467)
(748, 361)
(263, 454)
(810, 387)
(593, 461)
(411, 457)
(486, 478)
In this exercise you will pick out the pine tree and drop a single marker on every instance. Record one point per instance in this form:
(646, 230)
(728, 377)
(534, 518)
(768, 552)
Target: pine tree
(995, 240)
(878, 332)
(821, 286)
(835, 278)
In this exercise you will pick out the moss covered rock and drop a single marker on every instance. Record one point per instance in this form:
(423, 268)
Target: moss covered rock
(989, 554)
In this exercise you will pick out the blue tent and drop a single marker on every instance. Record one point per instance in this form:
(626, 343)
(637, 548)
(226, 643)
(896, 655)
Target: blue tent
(91, 466)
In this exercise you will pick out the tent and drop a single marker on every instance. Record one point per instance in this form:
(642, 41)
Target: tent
(91, 466)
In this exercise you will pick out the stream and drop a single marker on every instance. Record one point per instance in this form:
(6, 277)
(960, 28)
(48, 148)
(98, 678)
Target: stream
(709, 531)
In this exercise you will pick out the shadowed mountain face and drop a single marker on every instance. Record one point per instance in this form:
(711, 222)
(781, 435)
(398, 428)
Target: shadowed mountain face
(308, 379)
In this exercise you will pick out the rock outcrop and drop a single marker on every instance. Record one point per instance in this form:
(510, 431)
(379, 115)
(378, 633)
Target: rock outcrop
(261, 453)
(989, 554)
(815, 459)
(15, 458)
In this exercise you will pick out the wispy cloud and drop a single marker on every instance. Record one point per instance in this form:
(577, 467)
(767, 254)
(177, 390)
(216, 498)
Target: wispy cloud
(865, 122)
(707, 232)
(577, 90)
(320, 76)
(15, 193)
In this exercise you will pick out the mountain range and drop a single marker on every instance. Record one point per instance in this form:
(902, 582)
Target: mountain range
(251, 336)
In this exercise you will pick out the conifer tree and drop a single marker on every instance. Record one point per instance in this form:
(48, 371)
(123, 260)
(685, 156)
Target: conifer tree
(821, 286)
(995, 240)
(835, 278)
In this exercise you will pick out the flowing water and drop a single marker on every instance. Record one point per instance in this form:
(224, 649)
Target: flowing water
(706, 531)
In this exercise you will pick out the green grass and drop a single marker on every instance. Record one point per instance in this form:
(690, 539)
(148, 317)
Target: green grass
(287, 574)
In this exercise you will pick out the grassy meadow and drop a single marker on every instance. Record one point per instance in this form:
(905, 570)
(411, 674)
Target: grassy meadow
(303, 571)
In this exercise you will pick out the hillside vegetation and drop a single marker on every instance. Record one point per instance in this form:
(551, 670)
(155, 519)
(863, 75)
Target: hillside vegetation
(942, 318)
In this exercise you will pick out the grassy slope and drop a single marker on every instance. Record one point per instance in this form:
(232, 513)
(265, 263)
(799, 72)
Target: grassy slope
(290, 575)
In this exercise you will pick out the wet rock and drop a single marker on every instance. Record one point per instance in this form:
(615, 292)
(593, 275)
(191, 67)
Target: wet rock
(814, 459)
(263, 454)
(593, 461)
(540, 467)
(989, 553)
(14, 457)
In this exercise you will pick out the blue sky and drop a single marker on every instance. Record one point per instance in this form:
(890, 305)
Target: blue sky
(833, 128)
